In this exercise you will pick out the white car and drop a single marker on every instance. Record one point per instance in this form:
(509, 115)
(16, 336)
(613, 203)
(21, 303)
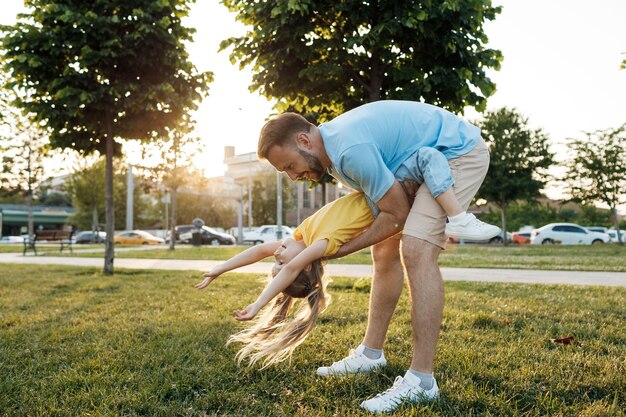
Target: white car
(566, 234)
(12, 239)
(266, 233)
(613, 235)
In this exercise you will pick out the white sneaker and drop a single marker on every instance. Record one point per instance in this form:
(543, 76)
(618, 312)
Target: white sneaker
(472, 229)
(354, 363)
(404, 389)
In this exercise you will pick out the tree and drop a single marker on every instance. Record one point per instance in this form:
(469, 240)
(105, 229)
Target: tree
(197, 200)
(24, 149)
(174, 162)
(264, 192)
(519, 158)
(322, 57)
(596, 173)
(94, 71)
(86, 185)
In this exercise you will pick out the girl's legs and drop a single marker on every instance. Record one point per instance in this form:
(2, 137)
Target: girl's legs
(448, 202)
(435, 170)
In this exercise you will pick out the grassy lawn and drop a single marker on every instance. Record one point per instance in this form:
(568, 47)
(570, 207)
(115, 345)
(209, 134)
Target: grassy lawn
(7, 248)
(576, 258)
(49, 248)
(74, 342)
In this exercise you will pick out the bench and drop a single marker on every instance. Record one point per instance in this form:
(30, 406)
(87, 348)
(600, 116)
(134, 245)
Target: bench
(63, 237)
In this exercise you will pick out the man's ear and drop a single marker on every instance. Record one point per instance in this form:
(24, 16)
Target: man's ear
(308, 268)
(303, 140)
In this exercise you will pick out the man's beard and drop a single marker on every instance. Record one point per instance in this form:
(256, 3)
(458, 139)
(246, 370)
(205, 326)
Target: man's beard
(315, 165)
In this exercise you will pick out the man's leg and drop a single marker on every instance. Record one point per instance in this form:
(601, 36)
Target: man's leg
(427, 298)
(387, 283)
(422, 241)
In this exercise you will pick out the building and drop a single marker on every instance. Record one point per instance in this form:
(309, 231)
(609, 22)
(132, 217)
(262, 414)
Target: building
(14, 218)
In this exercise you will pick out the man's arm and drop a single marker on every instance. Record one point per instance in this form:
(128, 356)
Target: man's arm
(394, 209)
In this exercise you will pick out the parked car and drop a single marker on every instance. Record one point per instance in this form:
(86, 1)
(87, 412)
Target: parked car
(89, 237)
(599, 229)
(613, 235)
(209, 236)
(566, 234)
(521, 238)
(137, 237)
(11, 240)
(266, 233)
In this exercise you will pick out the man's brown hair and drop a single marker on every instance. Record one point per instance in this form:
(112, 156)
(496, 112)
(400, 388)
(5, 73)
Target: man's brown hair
(279, 130)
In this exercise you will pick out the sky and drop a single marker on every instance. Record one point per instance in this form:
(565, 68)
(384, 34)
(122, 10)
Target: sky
(561, 70)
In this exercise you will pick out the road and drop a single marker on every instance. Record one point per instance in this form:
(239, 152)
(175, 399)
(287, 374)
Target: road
(528, 276)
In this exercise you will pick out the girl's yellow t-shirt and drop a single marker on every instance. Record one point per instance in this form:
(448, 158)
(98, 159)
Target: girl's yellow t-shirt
(338, 221)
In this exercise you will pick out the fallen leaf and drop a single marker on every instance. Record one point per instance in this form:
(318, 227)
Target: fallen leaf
(569, 340)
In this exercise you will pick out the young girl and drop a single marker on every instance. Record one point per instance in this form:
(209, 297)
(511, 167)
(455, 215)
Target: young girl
(298, 272)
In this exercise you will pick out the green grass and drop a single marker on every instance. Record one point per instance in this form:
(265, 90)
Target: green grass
(74, 342)
(7, 248)
(49, 248)
(575, 258)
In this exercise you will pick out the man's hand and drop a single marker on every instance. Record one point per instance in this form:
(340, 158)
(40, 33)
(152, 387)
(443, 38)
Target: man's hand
(247, 313)
(208, 278)
(410, 189)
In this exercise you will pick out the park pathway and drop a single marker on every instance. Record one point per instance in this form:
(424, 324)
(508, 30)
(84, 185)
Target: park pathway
(613, 279)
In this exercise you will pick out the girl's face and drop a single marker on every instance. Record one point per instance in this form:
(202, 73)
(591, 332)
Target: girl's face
(288, 249)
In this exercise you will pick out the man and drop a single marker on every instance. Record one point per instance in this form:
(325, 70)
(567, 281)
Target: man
(363, 148)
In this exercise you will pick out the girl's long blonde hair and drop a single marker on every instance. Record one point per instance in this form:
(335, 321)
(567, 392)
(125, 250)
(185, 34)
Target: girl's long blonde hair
(272, 338)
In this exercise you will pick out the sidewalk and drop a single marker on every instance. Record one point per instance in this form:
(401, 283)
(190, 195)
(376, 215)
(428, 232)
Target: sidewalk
(612, 279)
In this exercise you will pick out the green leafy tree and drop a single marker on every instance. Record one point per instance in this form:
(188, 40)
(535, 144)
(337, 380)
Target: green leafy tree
(55, 198)
(519, 159)
(197, 200)
(322, 57)
(85, 187)
(94, 71)
(24, 149)
(596, 173)
(264, 192)
(171, 172)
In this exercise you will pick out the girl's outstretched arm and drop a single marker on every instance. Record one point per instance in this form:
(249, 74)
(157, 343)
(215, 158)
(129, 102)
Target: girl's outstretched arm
(247, 257)
(284, 278)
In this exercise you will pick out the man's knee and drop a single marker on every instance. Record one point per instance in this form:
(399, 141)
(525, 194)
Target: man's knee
(387, 251)
(419, 254)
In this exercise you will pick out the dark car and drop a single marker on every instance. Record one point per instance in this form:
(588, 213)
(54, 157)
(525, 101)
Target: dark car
(209, 236)
(90, 237)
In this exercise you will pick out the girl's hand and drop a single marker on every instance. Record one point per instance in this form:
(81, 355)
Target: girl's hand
(208, 278)
(247, 313)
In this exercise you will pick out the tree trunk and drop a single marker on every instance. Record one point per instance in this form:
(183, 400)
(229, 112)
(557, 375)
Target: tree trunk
(616, 223)
(94, 220)
(503, 212)
(29, 199)
(108, 203)
(173, 222)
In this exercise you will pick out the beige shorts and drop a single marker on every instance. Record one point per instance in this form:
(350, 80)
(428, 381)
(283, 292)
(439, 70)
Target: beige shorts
(427, 220)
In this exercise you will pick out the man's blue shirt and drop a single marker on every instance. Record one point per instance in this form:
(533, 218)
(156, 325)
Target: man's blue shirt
(368, 144)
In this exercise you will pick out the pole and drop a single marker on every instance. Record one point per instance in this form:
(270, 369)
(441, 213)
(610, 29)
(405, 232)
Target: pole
(249, 198)
(279, 206)
(300, 195)
(240, 216)
(130, 187)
